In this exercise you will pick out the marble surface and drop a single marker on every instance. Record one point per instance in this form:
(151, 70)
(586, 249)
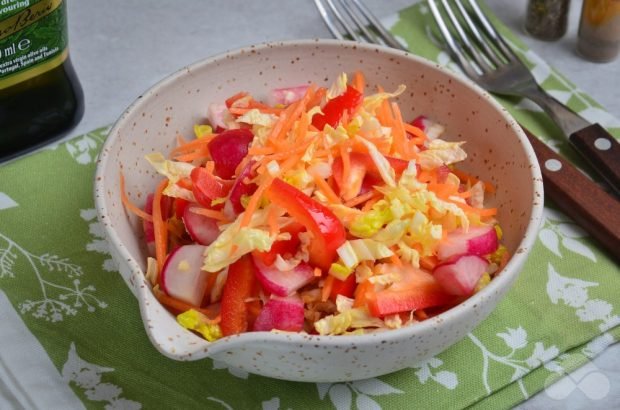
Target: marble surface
(121, 47)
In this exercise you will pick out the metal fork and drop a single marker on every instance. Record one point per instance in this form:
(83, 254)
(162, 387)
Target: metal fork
(579, 197)
(487, 59)
(361, 25)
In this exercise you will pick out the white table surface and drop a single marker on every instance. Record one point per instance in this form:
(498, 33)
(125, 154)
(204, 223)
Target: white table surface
(121, 47)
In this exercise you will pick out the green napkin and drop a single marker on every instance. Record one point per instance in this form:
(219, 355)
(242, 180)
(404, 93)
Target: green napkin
(57, 278)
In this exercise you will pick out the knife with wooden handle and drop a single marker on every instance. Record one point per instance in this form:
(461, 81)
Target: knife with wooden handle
(596, 211)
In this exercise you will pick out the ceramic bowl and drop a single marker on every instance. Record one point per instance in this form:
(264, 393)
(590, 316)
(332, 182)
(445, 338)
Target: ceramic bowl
(497, 148)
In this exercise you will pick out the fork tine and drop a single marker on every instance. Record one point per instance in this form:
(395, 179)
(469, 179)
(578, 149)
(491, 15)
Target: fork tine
(328, 20)
(376, 25)
(497, 38)
(480, 41)
(467, 45)
(350, 31)
(453, 47)
(361, 26)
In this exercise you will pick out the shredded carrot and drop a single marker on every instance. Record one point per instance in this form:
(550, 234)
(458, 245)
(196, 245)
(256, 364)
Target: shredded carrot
(362, 292)
(302, 128)
(328, 284)
(254, 199)
(211, 213)
(199, 154)
(130, 205)
(159, 225)
(264, 110)
(428, 262)
(193, 145)
(362, 198)
(317, 98)
(260, 150)
(180, 306)
(318, 272)
(415, 131)
(420, 314)
(272, 221)
(325, 189)
(368, 205)
(396, 260)
(230, 101)
(398, 132)
(358, 81)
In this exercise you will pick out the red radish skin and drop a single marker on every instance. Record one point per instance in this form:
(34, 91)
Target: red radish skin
(228, 149)
(182, 276)
(233, 206)
(282, 283)
(476, 241)
(288, 95)
(460, 275)
(431, 128)
(200, 228)
(282, 314)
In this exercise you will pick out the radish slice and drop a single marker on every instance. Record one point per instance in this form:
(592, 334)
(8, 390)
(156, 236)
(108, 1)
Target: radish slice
(200, 228)
(182, 276)
(283, 283)
(431, 128)
(233, 206)
(228, 149)
(282, 314)
(215, 115)
(460, 275)
(288, 95)
(476, 241)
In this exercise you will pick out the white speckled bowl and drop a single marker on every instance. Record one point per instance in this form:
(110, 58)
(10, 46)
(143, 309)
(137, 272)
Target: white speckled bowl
(498, 150)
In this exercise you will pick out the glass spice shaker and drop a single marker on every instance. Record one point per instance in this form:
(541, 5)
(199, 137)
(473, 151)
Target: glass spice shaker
(598, 38)
(547, 19)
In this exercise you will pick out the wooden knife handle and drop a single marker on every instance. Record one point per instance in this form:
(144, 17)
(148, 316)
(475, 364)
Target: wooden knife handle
(601, 150)
(593, 209)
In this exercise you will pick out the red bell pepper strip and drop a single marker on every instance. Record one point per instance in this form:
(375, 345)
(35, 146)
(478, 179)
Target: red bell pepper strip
(327, 230)
(335, 108)
(343, 287)
(416, 290)
(240, 285)
(206, 187)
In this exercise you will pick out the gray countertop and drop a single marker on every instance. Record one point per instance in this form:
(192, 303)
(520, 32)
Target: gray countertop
(122, 47)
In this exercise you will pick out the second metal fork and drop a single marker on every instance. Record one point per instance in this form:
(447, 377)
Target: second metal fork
(487, 59)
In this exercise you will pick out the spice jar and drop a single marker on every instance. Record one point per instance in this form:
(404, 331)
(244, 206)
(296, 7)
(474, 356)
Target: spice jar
(599, 30)
(547, 19)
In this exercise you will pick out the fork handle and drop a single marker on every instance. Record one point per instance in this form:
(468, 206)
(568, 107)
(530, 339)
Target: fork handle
(579, 197)
(602, 152)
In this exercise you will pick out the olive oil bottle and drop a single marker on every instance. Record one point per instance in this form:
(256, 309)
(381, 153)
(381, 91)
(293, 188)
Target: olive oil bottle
(40, 95)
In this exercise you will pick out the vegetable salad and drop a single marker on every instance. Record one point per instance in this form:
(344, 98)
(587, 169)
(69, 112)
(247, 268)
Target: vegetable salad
(322, 211)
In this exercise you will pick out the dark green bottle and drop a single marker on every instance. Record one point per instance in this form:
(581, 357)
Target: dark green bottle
(40, 95)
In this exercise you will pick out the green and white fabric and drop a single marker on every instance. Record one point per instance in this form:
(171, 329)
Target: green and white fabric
(71, 334)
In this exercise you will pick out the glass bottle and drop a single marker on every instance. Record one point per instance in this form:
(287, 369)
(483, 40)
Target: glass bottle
(599, 30)
(40, 95)
(547, 19)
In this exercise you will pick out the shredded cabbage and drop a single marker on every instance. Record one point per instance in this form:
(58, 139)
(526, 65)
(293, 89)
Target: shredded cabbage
(356, 318)
(355, 251)
(173, 170)
(338, 87)
(441, 152)
(198, 322)
(372, 102)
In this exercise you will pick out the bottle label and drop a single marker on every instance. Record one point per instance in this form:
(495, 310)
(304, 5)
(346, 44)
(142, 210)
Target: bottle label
(33, 38)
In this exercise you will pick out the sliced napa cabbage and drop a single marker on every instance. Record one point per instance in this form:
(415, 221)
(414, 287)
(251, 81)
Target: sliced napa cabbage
(198, 322)
(367, 224)
(383, 166)
(355, 318)
(173, 170)
(338, 87)
(373, 102)
(441, 152)
(255, 117)
(233, 242)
